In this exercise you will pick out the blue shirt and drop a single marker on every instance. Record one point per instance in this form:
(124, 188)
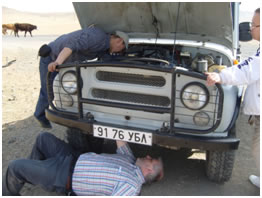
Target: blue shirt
(107, 174)
(87, 43)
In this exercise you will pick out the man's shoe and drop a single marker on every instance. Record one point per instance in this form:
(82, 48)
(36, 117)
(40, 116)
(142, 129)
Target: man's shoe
(44, 124)
(255, 180)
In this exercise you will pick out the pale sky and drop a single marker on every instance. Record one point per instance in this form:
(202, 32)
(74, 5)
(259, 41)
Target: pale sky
(40, 5)
(66, 5)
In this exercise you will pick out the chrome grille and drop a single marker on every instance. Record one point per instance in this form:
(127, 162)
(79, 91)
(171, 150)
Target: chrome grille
(131, 97)
(148, 80)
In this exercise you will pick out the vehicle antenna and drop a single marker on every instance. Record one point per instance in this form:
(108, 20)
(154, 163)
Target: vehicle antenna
(155, 23)
(177, 17)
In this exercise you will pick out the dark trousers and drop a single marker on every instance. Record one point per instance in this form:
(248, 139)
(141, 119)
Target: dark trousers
(42, 102)
(48, 166)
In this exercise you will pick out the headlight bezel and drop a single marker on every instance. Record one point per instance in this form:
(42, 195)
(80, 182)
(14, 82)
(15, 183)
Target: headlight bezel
(203, 87)
(201, 123)
(66, 99)
(62, 83)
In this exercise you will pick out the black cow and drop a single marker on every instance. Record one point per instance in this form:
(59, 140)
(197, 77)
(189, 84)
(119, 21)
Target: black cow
(24, 27)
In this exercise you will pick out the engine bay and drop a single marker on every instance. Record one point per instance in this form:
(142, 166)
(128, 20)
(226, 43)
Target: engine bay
(194, 59)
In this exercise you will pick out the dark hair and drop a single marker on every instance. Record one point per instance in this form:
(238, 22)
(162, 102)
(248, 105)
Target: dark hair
(257, 10)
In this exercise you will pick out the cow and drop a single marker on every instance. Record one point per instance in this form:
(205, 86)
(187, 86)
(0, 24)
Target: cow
(6, 27)
(24, 27)
(4, 31)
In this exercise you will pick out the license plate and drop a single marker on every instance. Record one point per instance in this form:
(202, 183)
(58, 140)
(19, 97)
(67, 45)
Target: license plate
(122, 134)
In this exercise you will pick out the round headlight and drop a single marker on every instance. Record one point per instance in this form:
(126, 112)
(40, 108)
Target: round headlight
(69, 82)
(66, 100)
(194, 96)
(201, 118)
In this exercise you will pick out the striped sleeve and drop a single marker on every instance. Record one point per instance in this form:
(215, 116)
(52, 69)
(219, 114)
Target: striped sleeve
(124, 189)
(125, 150)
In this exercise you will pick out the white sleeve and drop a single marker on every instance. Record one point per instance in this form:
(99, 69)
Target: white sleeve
(246, 72)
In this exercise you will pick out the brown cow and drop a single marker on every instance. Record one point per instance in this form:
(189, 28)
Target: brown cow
(4, 31)
(24, 27)
(6, 27)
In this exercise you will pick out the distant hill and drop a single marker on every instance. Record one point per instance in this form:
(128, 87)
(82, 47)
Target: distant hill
(47, 23)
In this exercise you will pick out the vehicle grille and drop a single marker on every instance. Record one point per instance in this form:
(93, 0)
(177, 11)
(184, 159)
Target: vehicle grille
(148, 80)
(181, 119)
(131, 97)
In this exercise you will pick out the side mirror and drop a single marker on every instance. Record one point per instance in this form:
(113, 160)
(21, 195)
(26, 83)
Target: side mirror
(245, 31)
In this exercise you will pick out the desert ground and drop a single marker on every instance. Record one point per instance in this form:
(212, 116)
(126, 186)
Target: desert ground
(20, 90)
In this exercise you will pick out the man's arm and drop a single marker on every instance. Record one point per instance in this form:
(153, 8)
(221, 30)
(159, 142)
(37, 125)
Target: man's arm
(246, 72)
(125, 189)
(63, 55)
(124, 149)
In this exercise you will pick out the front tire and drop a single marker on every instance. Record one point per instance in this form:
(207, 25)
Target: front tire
(219, 165)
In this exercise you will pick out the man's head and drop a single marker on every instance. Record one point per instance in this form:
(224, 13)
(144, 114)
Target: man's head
(255, 25)
(118, 42)
(152, 169)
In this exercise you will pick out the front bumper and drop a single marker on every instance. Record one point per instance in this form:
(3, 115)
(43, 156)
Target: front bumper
(176, 140)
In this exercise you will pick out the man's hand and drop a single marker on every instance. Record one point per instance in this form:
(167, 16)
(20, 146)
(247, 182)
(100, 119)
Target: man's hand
(52, 66)
(213, 78)
(120, 143)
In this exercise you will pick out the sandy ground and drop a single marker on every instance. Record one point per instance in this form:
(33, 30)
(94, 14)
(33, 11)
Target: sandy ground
(20, 90)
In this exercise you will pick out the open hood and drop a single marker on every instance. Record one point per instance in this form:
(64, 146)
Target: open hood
(201, 21)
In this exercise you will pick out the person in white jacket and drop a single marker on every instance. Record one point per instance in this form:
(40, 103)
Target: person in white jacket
(246, 73)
